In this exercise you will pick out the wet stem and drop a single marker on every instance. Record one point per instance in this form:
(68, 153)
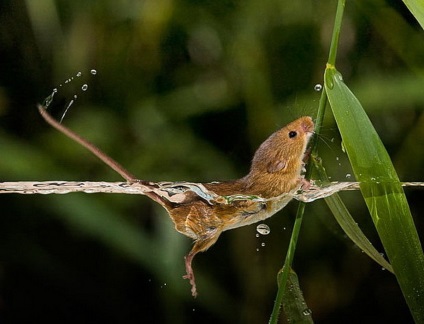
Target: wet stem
(282, 279)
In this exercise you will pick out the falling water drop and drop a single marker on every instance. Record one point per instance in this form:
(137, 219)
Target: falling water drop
(84, 87)
(318, 87)
(263, 229)
(93, 72)
(79, 74)
(307, 312)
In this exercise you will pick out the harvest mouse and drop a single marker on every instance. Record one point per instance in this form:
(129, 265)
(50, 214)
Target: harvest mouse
(202, 211)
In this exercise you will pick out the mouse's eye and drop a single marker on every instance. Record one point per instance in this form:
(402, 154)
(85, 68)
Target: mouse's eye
(292, 134)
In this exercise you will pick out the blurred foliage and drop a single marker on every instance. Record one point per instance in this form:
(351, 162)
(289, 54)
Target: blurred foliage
(186, 91)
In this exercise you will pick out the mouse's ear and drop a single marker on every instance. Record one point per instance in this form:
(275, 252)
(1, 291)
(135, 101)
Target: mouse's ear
(276, 166)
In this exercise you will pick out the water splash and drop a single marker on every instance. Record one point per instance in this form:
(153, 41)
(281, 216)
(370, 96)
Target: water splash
(313, 193)
(49, 99)
(66, 110)
(47, 102)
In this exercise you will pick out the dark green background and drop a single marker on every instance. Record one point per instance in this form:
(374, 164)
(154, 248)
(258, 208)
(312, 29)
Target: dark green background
(186, 90)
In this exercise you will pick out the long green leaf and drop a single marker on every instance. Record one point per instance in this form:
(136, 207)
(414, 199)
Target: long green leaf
(381, 189)
(294, 304)
(348, 224)
(416, 7)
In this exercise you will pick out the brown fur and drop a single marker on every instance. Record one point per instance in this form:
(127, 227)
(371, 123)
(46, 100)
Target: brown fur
(275, 170)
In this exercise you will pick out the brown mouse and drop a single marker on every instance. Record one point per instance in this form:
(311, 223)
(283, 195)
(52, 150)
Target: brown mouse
(203, 211)
(275, 170)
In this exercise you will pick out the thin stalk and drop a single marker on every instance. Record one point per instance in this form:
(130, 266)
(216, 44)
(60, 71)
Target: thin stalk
(336, 32)
(282, 279)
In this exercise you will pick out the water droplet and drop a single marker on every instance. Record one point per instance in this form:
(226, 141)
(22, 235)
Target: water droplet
(329, 82)
(337, 158)
(343, 147)
(348, 176)
(307, 312)
(48, 100)
(79, 74)
(318, 87)
(75, 96)
(93, 72)
(84, 87)
(284, 228)
(332, 140)
(262, 244)
(257, 235)
(257, 250)
(263, 229)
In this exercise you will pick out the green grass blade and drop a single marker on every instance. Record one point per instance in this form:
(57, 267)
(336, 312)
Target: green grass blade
(381, 189)
(416, 7)
(294, 304)
(348, 224)
(284, 274)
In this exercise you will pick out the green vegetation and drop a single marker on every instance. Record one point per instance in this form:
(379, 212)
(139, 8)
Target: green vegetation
(186, 91)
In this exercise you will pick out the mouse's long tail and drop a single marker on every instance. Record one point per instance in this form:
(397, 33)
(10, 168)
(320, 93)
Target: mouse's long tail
(89, 146)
